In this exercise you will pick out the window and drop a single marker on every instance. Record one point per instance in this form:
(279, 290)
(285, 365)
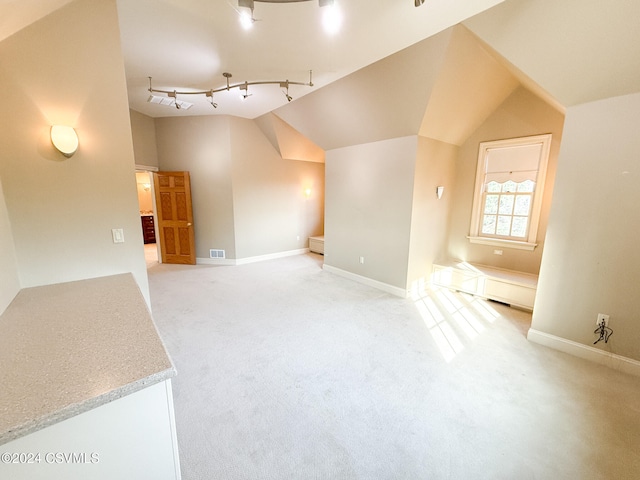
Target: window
(508, 193)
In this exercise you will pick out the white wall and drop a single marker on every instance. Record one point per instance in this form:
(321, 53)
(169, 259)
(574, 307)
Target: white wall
(143, 130)
(369, 195)
(271, 212)
(9, 279)
(435, 166)
(201, 146)
(247, 200)
(67, 68)
(591, 262)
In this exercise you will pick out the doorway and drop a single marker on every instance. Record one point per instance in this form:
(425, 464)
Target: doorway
(148, 220)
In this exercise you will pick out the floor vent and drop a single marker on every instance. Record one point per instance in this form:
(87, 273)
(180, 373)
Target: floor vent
(216, 253)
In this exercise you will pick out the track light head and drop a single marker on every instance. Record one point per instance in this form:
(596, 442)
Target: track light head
(174, 95)
(417, 3)
(285, 86)
(210, 95)
(245, 9)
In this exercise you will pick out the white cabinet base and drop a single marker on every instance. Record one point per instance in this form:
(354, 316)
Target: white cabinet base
(517, 289)
(132, 437)
(316, 244)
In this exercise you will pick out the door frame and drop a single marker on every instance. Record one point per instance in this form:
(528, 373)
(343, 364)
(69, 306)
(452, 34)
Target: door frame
(151, 170)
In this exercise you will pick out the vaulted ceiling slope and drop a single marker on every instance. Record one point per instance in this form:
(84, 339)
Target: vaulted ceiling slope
(386, 99)
(567, 53)
(442, 88)
(189, 44)
(471, 85)
(577, 50)
(17, 14)
(290, 144)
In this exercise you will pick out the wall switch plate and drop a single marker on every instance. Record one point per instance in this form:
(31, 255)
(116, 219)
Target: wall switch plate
(362, 260)
(118, 235)
(602, 317)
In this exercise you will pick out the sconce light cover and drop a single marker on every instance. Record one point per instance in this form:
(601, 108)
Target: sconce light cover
(439, 191)
(307, 192)
(65, 139)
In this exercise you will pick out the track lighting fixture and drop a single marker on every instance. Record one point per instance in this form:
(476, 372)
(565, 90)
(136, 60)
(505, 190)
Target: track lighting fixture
(332, 17)
(286, 92)
(174, 95)
(245, 10)
(180, 105)
(246, 93)
(210, 95)
(418, 2)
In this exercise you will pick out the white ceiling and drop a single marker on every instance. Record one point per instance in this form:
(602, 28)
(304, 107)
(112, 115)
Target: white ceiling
(188, 44)
(577, 50)
(573, 49)
(17, 14)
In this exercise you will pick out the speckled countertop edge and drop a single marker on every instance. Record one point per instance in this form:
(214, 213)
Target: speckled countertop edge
(71, 347)
(82, 407)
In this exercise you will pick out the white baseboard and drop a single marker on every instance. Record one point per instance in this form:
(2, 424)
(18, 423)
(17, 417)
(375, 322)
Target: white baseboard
(397, 291)
(243, 261)
(215, 261)
(611, 360)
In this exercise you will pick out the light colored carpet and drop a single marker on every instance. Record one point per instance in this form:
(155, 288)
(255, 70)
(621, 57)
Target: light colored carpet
(286, 371)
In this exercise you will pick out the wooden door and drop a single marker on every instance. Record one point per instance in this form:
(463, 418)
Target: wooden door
(175, 217)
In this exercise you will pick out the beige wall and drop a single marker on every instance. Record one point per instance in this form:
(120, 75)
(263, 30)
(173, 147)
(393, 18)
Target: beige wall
(591, 262)
(67, 68)
(143, 131)
(247, 200)
(521, 114)
(271, 212)
(369, 193)
(201, 146)
(9, 279)
(435, 166)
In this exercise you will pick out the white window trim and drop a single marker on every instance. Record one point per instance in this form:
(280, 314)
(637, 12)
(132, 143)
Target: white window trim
(530, 242)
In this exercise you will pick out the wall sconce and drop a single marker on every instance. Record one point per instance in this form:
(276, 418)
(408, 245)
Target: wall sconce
(307, 193)
(65, 139)
(146, 186)
(439, 191)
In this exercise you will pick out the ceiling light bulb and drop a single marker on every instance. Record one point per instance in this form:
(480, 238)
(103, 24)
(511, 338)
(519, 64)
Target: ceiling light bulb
(246, 18)
(331, 18)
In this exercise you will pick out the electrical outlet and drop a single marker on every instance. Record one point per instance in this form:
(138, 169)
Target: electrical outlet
(497, 252)
(602, 317)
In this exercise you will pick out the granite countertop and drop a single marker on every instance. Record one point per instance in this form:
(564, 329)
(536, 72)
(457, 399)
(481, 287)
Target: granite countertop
(71, 347)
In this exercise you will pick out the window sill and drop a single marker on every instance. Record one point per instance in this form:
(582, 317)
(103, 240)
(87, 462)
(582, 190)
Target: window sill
(498, 242)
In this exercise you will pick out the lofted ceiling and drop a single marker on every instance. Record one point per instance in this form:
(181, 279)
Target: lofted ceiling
(569, 52)
(17, 14)
(188, 44)
(577, 50)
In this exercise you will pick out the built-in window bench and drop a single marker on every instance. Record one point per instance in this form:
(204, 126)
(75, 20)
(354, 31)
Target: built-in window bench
(85, 385)
(316, 244)
(517, 289)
